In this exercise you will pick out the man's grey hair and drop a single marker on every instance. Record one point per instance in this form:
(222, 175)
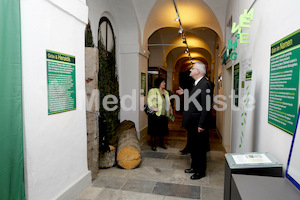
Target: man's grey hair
(201, 66)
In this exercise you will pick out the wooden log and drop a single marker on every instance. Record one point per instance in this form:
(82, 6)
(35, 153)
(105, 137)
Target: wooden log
(123, 126)
(129, 151)
(107, 159)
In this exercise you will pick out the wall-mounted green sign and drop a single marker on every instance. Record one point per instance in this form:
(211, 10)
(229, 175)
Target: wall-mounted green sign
(61, 82)
(236, 83)
(284, 82)
(143, 84)
(249, 75)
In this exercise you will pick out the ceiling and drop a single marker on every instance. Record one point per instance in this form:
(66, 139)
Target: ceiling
(200, 26)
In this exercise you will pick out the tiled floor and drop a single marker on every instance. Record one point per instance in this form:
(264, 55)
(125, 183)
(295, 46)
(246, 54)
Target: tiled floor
(160, 175)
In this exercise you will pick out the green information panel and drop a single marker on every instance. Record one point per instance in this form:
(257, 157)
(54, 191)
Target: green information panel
(236, 83)
(61, 82)
(284, 82)
(143, 84)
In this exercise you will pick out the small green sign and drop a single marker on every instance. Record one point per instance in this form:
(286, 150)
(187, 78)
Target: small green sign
(236, 83)
(249, 75)
(284, 82)
(61, 82)
(143, 84)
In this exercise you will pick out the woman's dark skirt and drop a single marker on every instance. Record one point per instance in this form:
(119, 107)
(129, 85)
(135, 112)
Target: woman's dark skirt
(158, 126)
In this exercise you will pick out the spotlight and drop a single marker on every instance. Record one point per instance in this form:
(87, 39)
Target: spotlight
(177, 19)
(186, 51)
(184, 41)
(180, 30)
(183, 36)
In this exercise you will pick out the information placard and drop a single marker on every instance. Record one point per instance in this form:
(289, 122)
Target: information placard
(61, 82)
(143, 84)
(236, 81)
(284, 82)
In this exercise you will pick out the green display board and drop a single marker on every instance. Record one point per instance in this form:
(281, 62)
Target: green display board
(236, 83)
(143, 84)
(284, 82)
(61, 82)
(12, 184)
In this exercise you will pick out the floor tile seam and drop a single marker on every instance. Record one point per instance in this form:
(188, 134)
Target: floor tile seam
(179, 186)
(166, 181)
(136, 192)
(153, 187)
(208, 179)
(123, 184)
(170, 168)
(112, 175)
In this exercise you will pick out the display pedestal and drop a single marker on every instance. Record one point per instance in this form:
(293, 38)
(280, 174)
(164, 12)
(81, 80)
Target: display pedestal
(248, 187)
(265, 165)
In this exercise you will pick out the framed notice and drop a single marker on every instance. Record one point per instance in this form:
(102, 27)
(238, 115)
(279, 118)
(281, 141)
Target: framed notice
(143, 84)
(61, 82)
(236, 76)
(284, 82)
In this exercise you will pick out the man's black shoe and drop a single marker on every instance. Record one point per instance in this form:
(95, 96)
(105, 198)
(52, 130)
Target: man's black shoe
(189, 171)
(184, 151)
(197, 176)
(163, 146)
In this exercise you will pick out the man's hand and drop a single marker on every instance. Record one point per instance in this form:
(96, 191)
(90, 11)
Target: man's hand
(200, 130)
(179, 91)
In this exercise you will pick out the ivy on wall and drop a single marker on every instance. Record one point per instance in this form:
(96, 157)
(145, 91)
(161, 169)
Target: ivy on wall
(109, 85)
(88, 36)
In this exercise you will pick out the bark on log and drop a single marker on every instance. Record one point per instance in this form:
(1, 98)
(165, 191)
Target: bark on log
(107, 159)
(129, 151)
(123, 126)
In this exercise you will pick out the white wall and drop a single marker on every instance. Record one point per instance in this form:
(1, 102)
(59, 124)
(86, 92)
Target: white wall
(55, 146)
(272, 21)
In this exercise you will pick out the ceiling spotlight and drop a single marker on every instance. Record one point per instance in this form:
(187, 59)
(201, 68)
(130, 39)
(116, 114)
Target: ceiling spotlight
(184, 42)
(192, 62)
(177, 19)
(180, 30)
(183, 36)
(186, 51)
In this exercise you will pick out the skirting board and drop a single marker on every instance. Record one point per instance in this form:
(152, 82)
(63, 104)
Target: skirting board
(143, 132)
(76, 188)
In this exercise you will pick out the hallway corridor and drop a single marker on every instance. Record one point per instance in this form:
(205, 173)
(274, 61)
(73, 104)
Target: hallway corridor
(160, 175)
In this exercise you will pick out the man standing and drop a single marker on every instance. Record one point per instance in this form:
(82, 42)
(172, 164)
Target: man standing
(195, 119)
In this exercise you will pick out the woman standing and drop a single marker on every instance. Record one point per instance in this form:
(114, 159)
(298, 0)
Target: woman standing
(159, 101)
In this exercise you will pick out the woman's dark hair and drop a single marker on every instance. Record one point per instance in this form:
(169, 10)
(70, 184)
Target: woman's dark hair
(158, 81)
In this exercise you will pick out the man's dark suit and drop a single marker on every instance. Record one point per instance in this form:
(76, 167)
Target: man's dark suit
(194, 118)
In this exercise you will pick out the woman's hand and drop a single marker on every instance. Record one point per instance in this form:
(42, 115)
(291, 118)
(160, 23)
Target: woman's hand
(171, 110)
(154, 108)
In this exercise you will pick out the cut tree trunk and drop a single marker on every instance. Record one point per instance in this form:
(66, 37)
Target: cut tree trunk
(129, 151)
(107, 159)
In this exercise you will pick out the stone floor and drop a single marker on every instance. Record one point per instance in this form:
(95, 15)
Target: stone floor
(160, 175)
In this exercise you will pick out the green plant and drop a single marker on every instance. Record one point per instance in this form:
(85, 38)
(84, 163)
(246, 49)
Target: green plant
(89, 36)
(108, 85)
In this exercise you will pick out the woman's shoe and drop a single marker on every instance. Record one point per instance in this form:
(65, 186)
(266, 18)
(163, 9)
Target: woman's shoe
(153, 148)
